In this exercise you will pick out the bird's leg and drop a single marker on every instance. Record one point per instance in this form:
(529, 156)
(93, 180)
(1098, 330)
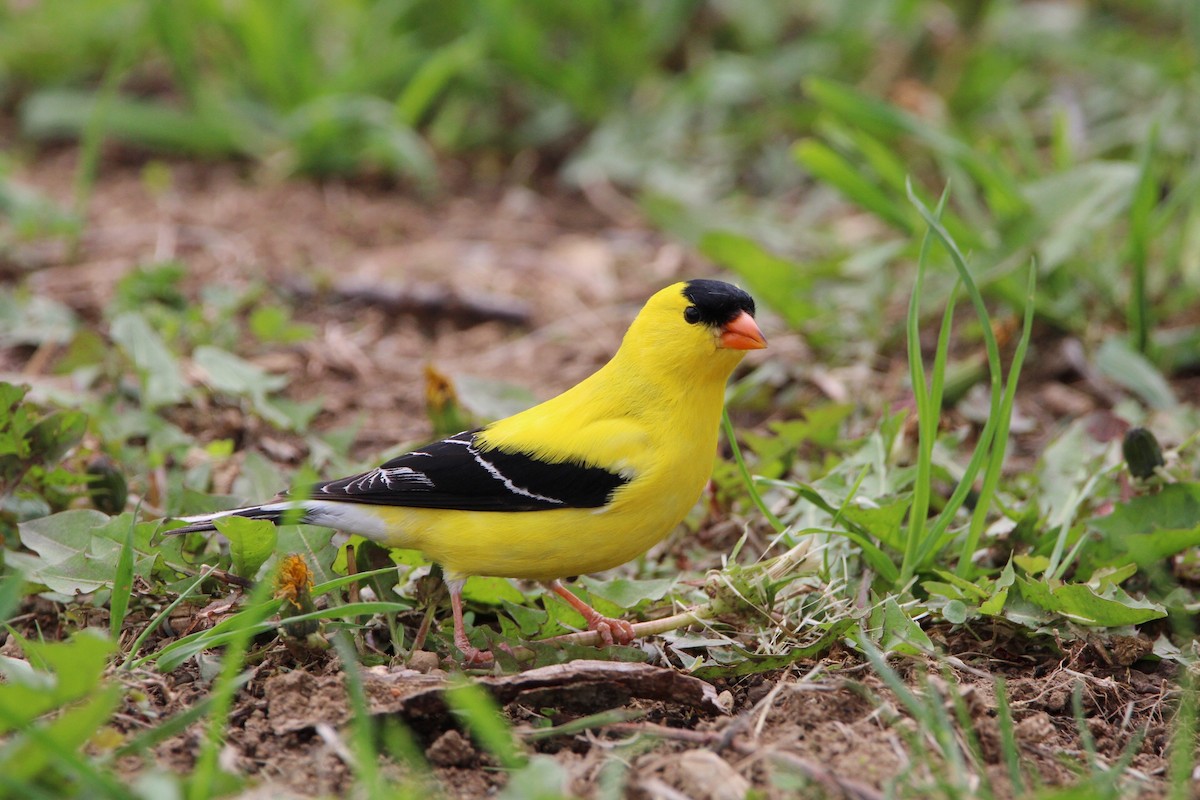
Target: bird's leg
(472, 655)
(611, 630)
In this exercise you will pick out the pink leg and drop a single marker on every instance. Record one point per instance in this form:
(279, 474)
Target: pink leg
(610, 630)
(472, 655)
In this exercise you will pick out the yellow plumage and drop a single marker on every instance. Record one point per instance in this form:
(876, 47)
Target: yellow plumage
(652, 413)
(648, 419)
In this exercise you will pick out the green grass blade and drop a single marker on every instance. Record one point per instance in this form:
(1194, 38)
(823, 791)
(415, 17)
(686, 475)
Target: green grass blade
(204, 776)
(122, 585)
(928, 413)
(1182, 750)
(747, 478)
(999, 445)
(935, 538)
(833, 168)
(1145, 197)
(480, 714)
(131, 659)
(1008, 737)
(365, 766)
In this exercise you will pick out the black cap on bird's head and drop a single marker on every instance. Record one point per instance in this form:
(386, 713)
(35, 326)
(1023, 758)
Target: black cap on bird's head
(724, 306)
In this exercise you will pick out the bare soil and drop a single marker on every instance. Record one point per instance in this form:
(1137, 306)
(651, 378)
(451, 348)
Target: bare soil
(536, 287)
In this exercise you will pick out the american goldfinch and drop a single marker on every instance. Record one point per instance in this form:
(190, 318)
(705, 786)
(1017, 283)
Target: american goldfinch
(581, 483)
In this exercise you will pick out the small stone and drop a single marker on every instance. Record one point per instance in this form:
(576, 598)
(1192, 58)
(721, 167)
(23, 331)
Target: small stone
(758, 692)
(451, 749)
(1035, 728)
(704, 774)
(423, 661)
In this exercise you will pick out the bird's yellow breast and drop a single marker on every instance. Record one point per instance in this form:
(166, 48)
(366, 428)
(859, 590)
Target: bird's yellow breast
(668, 473)
(650, 415)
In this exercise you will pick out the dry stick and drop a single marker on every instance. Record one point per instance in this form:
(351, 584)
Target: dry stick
(352, 569)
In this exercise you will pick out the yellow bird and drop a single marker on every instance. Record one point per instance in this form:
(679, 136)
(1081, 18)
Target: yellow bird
(581, 483)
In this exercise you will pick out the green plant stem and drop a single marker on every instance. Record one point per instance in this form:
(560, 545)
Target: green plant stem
(131, 659)
(747, 478)
(995, 465)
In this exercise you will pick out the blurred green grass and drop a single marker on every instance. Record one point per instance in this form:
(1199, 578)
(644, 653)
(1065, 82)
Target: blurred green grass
(779, 139)
(1066, 130)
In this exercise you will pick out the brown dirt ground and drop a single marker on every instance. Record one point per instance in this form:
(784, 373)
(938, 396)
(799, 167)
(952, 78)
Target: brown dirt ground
(535, 287)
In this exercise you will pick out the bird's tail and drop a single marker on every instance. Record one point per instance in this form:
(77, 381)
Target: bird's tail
(291, 512)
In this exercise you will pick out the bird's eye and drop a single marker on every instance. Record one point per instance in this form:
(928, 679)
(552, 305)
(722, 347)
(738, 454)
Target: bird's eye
(691, 315)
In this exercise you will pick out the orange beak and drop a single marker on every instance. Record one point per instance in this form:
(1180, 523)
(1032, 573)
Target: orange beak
(742, 334)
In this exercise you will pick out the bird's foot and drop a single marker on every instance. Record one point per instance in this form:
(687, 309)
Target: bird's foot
(612, 631)
(474, 657)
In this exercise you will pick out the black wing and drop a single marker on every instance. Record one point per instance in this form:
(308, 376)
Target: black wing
(455, 474)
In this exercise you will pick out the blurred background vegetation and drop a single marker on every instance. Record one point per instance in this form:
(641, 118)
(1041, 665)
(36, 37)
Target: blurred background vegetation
(751, 120)
(800, 145)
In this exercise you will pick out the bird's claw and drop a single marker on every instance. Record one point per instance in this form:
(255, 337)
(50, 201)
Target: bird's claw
(474, 657)
(612, 631)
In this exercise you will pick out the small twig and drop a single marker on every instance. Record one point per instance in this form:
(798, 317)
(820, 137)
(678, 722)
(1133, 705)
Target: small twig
(225, 576)
(351, 569)
(664, 732)
(604, 719)
(423, 631)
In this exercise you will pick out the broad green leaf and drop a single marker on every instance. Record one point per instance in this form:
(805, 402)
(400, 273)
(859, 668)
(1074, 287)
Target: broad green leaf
(529, 620)
(274, 324)
(955, 612)
(79, 550)
(53, 674)
(1111, 608)
(883, 522)
(1105, 577)
(994, 605)
(158, 369)
(626, 593)
(228, 373)
(940, 589)
(968, 588)
(26, 757)
(1083, 604)
(55, 434)
(492, 591)
(251, 542)
(900, 634)
(1147, 529)
(1176, 507)
(1031, 565)
(33, 320)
